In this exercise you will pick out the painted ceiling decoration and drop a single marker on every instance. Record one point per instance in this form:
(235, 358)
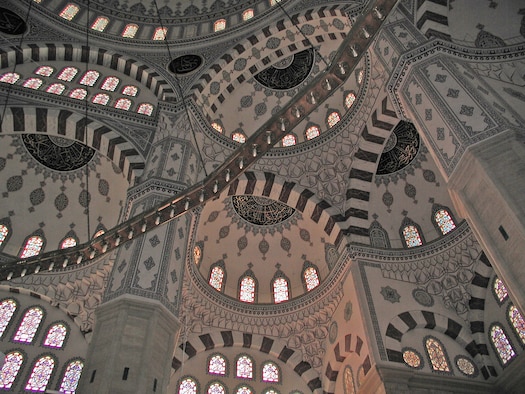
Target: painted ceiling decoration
(11, 23)
(400, 149)
(261, 210)
(289, 72)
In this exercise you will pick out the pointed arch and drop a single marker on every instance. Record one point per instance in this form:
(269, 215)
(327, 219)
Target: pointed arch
(41, 373)
(33, 245)
(501, 344)
(517, 322)
(29, 325)
(271, 373)
(247, 287)
(5, 231)
(443, 219)
(411, 233)
(217, 365)
(437, 356)
(280, 287)
(310, 276)
(187, 385)
(71, 376)
(69, 241)
(12, 363)
(8, 308)
(244, 367)
(56, 335)
(378, 236)
(217, 277)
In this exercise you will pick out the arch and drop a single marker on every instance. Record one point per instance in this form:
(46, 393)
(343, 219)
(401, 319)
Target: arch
(12, 363)
(100, 23)
(217, 365)
(244, 388)
(244, 367)
(411, 233)
(217, 276)
(56, 335)
(437, 355)
(69, 11)
(219, 25)
(289, 139)
(280, 287)
(332, 118)
(501, 344)
(248, 287)
(443, 219)
(5, 231)
(130, 30)
(379, 236)
(310, 276)
(270, 372)
(8, 307)
(216, 387)
(33, 245)
(71, 375)
(348, 380)
(188, 385)
(517, 322)
(41, 373)
(499, 290)
(70, 240)
(29, 325)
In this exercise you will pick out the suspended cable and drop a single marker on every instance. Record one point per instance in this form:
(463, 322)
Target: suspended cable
(85, 137)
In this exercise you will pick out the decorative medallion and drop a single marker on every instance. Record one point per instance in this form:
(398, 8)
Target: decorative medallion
(288, 72)
(11, 23)
(348, 311)
(332, 334)
(390, 294)
(57, 153)
(422, 297)
(261, 210)
(185, 64)
(400, 149)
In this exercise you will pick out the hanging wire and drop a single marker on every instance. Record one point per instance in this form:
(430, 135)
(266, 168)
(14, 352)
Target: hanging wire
(85, 139)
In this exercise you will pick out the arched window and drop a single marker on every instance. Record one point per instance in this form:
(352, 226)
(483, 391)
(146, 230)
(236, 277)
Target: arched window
(29, 325)
(312, 132)
(270, 373)
(4, 232)
(217, 276)
(78, 94)
(10, 78)
(243, 389)
(40, 374)
(110, 83)
(68, 242)
(289, 140)
(130, 31)
(44, 71)
(516, 319)
(56, 88)
(12, 363)
(436, 355)
(216, 388)
(247, 288)
(378, 235)
(281, 291)
(248, 14)
(217, 127)
(33, 83)
(56, 335)
(123, 103)
(500, 290)
(69, 12)
(187, 386)
(360, 75)
(89, 78)
(160, 33)
(271, 391)
(444, 221)
(219, 25)
(67, 74)
(98, 233)
(333, 119)
(244, 367)
(71, 377)
(239, 137)
(7, 309)
(145, 109)
(217, 365)
(348, 381)
(502, 344)
(411, 236)
(349, 100)
(32, 247)
(310, 276)
(101, 99)
(100, 23)
(130, 90)
(274, 2)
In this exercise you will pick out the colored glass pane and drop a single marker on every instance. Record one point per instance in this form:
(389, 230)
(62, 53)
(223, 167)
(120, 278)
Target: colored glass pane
(100, 23)
(32, 247)
(244, 390)
(69, 12)
(123, 103)
(188, 386)
(517, 321)
(12, 363)
(280, 290)
(444, 221)
(219, 25)
(360, 76)
(130, 90)
(502, 344)
(98, 233)
(45, 71)
(239, 137)
(27, 329)
(289, 140)
(216, 388)
(333, 119)
(71, 377)
(349, 100)
(436, 355)
(33, 83)
(348, 381)
(271, 391)
(100, 98)
(7, 309)
(248, 14)
(466, 366)
(216, 277)
(217, 127)
(89, 78)
(10, 78)
(270, 373)
(411, 358)
(500, 289)
(244, 367)
(55, 336)
(78, 94)
(110, 83)
(67, 74)
(69, 242)
(274, 2)
(41, 374)
(3, 233)
(247, 291)
(411, 236)
(56, 88)
(311, 278)
(217, 365)
(145, 109)
(160, 33)
(130, 31)
(312, 132)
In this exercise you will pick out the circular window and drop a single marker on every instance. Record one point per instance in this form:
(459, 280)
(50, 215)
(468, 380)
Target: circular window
(466, 366)
(412, 359)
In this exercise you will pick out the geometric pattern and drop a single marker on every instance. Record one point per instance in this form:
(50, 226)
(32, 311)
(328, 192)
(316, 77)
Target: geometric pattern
(432, 18)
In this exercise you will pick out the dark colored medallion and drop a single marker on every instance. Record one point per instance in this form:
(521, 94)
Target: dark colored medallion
(185, 64)
(289, 72)
(11, 23)
(400, 149)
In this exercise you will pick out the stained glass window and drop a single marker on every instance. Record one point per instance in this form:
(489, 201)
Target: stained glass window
(217, 127)
(69, 12)
(217, 365)
(280, 290)
(239, 137)
(12, 363)
(7, 309)
(289, 140)
(56, 88)
(130, 31)
(333, 119)
(98, 233)
(130, 90)
(68, 242)
(71, 377)
(78, 94)
(123, 103)
(271, 391)
(100, 98)
(348, 381)
(517, 321)
(27, 329)
(465, 366)
(216, 388)
(311, 278)
(219, 25)
(187, 386)
(244, 390)
(10, 78)
(270, 373)
(312, 132)
(3, 233)
(274, 2)
(436, 354)
(216, 277)
(500, 289)
(248, 14)
(502, 344)
(100, 23)
(411, 235)
(67, 74)
(244, 367)
(41, 374)
(110, 83)
(444, 221)
(411, 358)
(160, 33)
(45, 71)
(247, 289)
(55, 336)
(89, 78)
(32, 247)
(145, 109)
(349, 100)
(360, 76)
(33, 83)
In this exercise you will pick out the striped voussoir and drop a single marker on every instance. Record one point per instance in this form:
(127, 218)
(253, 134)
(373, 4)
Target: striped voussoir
(63, 123)
(432, 18)
(218, 340)
(410, 320)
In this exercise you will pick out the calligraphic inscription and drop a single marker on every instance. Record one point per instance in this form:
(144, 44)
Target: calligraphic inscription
(400, 149)
(11, 23)
(185, 64)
